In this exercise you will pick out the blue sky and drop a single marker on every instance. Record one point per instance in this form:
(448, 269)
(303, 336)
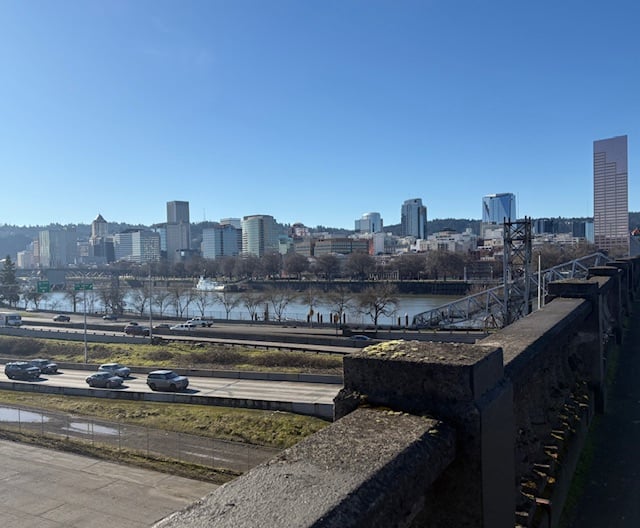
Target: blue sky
(311, 111)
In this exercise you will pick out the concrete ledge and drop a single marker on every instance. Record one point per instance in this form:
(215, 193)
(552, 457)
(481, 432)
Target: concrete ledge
(371, 469)
(421, 377)
(534, 334)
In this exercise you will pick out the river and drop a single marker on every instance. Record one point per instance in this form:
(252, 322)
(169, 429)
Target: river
(408, 306)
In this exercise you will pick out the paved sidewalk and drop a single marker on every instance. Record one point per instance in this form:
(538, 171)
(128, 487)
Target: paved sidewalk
(611, 498)
(49, 489)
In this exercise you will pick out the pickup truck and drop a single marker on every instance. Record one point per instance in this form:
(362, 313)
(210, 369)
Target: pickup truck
(200, 321)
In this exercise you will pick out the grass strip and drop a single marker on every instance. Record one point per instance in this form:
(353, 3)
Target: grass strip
(123, 456)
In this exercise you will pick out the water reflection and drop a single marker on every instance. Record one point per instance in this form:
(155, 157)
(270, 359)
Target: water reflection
(90, 428)
(8, 414)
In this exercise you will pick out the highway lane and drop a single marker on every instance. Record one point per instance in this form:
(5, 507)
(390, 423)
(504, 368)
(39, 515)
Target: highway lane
(284, 391)
(242, 334)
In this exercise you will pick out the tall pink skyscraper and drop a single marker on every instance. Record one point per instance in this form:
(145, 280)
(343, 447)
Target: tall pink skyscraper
(610, 195)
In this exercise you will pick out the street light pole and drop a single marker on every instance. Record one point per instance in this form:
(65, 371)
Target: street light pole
(84, 302)
(150, 304)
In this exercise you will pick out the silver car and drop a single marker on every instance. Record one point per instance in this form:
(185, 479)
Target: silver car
(104, 380)
(166, 380)
(115, 369)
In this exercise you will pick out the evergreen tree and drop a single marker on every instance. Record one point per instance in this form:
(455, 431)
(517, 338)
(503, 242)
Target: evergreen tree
(9, 289)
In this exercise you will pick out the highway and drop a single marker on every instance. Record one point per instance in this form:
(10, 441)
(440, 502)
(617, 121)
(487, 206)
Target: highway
(242, 389)
(290, 337)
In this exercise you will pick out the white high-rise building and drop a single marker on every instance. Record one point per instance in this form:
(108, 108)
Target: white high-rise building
(369, 223)
(610, 195)
(259, 235)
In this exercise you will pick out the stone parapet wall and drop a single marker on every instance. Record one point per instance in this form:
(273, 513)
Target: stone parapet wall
(448, 434)
(370, 469)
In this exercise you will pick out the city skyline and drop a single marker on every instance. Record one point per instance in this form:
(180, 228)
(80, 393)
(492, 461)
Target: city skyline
(311, 113)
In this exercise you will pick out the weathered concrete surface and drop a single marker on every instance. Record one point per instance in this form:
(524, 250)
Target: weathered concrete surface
(51, 489)
(370, 469)
(464, 386)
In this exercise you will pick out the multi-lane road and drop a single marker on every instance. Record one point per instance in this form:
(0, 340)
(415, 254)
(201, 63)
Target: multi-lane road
(293, 336)
(299, 392)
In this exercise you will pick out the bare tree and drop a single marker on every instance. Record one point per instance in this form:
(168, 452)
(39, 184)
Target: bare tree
(180, 298)
(34, 297)
(228, 300)
(251, 301)
(340, 300)
(381, 299)
(202, 299)
(247, 266)
(139, 298)
(271, 264)
(443, 265)
(279, 298)
(74, 296)
(227, 266)
(409, 265)
(311, 297)
(161, 300)
(360, 265)
(327, 266)
(112, 296)
(296, 264)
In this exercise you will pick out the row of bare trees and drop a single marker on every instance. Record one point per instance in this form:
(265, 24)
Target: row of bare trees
(177, 300)
(433, 265)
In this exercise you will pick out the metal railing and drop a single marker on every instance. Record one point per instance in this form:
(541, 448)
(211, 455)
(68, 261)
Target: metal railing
(485, 310)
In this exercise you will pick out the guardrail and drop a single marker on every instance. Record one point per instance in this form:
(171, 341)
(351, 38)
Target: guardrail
(320, 410)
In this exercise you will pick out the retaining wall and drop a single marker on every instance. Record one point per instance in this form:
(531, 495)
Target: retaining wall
(445, 434)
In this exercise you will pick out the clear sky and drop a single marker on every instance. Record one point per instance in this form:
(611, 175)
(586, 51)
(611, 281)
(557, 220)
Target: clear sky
(313, 111)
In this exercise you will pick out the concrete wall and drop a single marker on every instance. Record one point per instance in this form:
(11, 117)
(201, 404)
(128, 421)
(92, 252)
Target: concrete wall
(446, 434)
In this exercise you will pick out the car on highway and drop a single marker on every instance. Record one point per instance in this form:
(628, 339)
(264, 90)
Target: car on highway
(21, 370)
(360, 337)
(136, 330)
(116, 369)
(183, 326)
(104, 380)
(110, 317)
(61, 318)
(200, 321)
(45, 366)
(166, 380)
(162, 325)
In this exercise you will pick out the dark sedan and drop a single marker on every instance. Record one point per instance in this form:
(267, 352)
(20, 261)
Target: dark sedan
(45, 366)
(104, 380)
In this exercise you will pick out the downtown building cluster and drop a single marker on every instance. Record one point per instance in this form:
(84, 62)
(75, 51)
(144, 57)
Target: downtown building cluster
(259, 235)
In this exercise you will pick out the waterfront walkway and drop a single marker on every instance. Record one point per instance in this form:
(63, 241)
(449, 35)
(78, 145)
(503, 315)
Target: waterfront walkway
(611, 496)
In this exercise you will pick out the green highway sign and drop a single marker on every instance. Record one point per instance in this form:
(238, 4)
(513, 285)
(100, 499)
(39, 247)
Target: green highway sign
(44, 287)
(83, 286)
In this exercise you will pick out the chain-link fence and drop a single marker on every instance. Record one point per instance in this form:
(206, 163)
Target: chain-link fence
(204, 451)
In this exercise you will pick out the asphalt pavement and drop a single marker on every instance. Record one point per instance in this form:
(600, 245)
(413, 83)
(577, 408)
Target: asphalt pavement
(611, 497)
(49, 489)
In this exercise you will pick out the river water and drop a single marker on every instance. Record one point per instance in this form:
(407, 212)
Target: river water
(408, 306)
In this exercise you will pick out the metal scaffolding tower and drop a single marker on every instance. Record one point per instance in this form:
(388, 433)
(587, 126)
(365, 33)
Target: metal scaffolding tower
(516, 269)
